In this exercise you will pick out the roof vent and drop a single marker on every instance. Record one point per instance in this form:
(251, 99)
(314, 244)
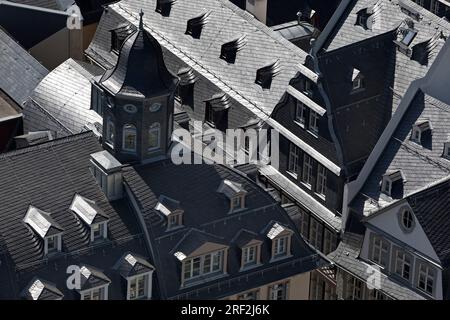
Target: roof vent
(195, 25)
(420, 130)
(230, 49)
(164, 6)
(422, 52)
(265, 75)
(41, 222)
(392, 181)
(409, 10)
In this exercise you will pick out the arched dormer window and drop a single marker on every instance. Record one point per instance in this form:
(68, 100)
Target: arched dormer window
(154, 136)
(129, 138)
(110, 131)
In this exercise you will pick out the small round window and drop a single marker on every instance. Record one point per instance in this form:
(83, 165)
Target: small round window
(407, 219)
(130, 108)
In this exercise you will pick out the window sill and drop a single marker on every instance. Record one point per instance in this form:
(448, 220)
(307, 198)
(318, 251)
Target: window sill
(313, 133)
(110, 145)
(354, 91)
(249, 267)
(320, 196)
(293, 175)
(202, 279)
(152, 150)
(129, 151)
(301, 125)
(306, 185)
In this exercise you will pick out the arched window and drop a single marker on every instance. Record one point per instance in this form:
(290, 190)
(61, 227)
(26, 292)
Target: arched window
(154, 136)
(129, 138)
(110, 131)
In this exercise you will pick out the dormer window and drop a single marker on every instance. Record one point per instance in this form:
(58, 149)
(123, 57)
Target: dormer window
(92, 216)
(46, 227)
(265, 75)
(39, 289)
(357, 80)
(164, 7)
(281, 240)
(215, 109)
(235, 193)
(362, 18)
(308, 88)
(119, 35)
(129, 138)
(420, 128)
(195, 25)
(408, 36)
(171, 209)
(447, 150)
(108, 174)
(230, 49)
(390, 179)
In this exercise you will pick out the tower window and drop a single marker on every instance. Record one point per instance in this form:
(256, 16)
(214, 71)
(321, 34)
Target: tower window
(154, 133)
(129, 138)
(110, 129)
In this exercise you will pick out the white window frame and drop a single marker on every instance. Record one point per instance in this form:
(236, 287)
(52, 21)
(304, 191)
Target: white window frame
(280, 246)
(147, 277)
(276, 289)
(307, 174)
(294, 155)
(300, 113)
(314, 118)
(249, 295)
(174, 220)
(57, 240)
(416, 135)
(91, 292)
(426, 273)
(250, 255)
(357, 83)
(402, 261)
(380, 251)
(155, 131)
(407, 219)
(103, 228)
(129, 130)
(215, 258)
(321, 185)
(386, 185)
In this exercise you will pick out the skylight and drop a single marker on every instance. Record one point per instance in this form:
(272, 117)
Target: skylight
(408, 37)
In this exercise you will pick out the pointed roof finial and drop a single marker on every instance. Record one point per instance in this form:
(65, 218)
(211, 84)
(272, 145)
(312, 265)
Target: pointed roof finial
(141, 23)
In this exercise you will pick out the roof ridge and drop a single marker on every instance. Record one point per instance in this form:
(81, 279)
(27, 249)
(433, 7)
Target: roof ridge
(51, 143)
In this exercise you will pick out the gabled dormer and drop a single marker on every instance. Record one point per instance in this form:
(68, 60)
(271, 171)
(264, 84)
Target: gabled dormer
(405, 36)
(216, 109)
(195, 25)
(108, 174)
(39, 289)
(230, 49)
(92, 215)
(392, 182)
(235, 193)
(46, 228)
(250, 245)
(266, 74)
(280, 236)
(171, 210)
(164, 7)
(421, 130)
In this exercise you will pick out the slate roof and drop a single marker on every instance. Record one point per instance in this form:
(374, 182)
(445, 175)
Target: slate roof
(206, 218)
(389, 18)
(131, 265)
(140, 69)
(20, 72)
(39, 289)
(421, 165)
(346, 257)
(430, 206)
(31, 176)
(225, 22)
(62, 100)
(48, 4)
(44, 22)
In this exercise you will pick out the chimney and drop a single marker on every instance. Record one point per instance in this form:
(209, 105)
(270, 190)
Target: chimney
(108, 174)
